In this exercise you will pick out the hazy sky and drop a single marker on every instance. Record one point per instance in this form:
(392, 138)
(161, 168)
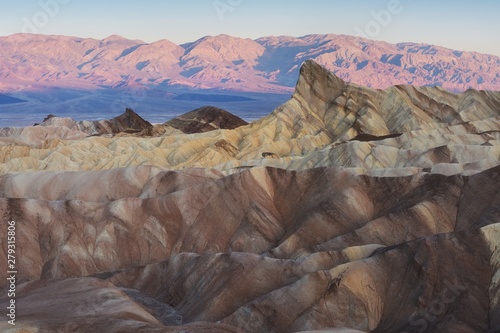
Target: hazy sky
(458, 24)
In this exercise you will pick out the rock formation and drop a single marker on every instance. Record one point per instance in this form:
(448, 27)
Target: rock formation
(425, 128)
(206, 119)
(129, 122)
(348, 209)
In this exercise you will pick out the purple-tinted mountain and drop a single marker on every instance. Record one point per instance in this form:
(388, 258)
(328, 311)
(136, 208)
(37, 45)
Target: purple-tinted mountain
(269, 64)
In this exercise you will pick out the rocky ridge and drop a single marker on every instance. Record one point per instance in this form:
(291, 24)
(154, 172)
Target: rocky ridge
(347, 209)
(319, 126)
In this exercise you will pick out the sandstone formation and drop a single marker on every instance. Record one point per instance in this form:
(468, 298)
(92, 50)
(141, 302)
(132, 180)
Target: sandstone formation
(348, 209)
(425, 128)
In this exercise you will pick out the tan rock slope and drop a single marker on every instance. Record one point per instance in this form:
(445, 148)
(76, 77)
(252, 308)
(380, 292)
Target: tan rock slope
(325, 114)
(345, 210)
(242, 248)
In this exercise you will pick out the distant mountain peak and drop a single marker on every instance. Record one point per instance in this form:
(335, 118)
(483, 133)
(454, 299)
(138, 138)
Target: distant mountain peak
(115, 38)
(314, 79)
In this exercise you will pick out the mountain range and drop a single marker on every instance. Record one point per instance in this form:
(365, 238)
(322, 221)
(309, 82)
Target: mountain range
(268, 64)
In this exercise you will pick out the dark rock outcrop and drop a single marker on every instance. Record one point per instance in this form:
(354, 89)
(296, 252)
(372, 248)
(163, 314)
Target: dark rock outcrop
(439, 131)
(206, 119)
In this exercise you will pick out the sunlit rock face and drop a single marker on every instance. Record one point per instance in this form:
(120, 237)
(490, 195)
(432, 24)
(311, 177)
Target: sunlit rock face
(347, 209)
(327, 122)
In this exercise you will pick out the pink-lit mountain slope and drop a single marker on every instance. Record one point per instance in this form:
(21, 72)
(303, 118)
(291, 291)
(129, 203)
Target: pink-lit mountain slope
(269, 64)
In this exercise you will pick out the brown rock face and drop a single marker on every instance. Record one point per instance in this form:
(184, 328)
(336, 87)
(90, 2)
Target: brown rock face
(433, 130)
(94, 306)
(128, 121)
(242, 248)
(347, 209)
(206, 119)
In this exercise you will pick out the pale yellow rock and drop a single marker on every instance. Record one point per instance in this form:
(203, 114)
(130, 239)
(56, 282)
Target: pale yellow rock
(310, 130)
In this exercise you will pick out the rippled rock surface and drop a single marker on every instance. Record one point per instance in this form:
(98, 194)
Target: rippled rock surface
(347, 209)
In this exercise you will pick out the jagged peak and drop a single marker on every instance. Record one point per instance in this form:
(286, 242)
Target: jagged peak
(314, 78)
(131, 119)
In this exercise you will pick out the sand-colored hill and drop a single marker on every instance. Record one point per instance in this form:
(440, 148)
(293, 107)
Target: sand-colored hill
(347, 209)
(325, 114)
